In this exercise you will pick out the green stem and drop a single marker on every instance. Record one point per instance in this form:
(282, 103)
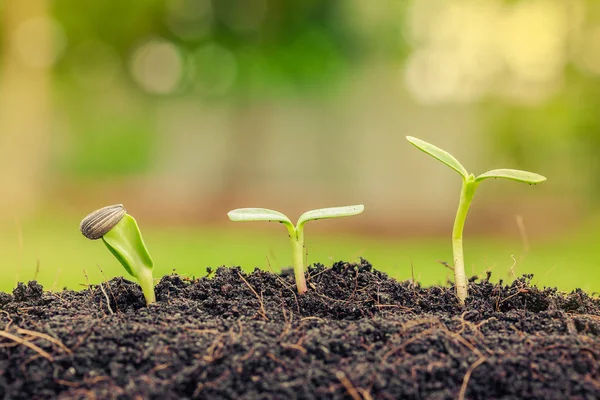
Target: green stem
(466, 197)
(146, 281)
(297, 240)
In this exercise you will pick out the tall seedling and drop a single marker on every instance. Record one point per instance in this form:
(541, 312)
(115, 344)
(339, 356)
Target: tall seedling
(470, 183)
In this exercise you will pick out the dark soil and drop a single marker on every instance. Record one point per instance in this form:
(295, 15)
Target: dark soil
(357, 334)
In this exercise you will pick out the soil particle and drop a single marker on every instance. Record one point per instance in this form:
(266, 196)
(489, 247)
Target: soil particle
(30, 293)
(356, 334)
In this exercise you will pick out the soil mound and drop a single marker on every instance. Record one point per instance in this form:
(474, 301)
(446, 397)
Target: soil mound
(356, 334)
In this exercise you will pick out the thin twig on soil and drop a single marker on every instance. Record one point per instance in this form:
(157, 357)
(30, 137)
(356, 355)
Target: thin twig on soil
(365, 394)
(160, 367)
(213, 352)
(523, 233)
(295, 347)
(262, 311)
(277, 360)
(108, 285)
(10, 320)
(352, 392)
(96, 379)
(107, 299)
(37, 269)
(88, 286)
(464, 341)
(404, 344)
(248, 354)
(571, 329)
(464, 324)
(414, 284)
(68, 383)
(287, 324)
(594, 382)
(24, 342)
(378, 304)
(310, 277)
(354, 290)
(550, 270)
(512, 273)
(41, 335)
(20, 259)
(591, 316)
(53, 288)
(445, 264)
(284, 313)
(463, 388)
(202, 331)
(289, 287)
(312, 318)
(498, 302)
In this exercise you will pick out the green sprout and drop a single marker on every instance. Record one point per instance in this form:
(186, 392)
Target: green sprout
(470, 183)
(296, 232)
(120, 233)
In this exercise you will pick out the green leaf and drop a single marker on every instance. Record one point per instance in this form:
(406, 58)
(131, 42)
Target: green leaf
(512, 174)
(333, 212)
(257, 214)
(439, 155)
(125, 242)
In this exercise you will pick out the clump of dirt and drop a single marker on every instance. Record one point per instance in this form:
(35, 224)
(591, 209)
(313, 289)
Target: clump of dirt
(356, 334)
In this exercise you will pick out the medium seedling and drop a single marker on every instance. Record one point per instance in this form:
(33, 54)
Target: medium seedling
(120, 233)
(470, 183)
(296, 232)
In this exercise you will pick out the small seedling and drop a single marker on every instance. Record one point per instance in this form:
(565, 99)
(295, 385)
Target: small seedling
(470, 183)
(296, 232)
(120, 233)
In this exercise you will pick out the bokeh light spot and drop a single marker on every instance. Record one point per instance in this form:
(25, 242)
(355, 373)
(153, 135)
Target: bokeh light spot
(39, 42)
(533, 40)
(156, 66)
(216, 69)
(465, 49)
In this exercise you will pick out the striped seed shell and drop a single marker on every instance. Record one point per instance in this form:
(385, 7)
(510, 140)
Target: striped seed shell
(100, 222)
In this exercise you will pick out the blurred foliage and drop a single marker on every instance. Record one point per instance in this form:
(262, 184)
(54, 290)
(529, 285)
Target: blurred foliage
(276, 44)
(231, 50)
(564, 130)
(114, 142)
(239, 51)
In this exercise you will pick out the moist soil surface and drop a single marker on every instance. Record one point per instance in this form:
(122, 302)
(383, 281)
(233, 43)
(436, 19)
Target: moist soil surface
(356, 334)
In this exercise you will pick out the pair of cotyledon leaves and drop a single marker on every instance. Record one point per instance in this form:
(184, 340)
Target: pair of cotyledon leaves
(449, 160)
(262, 214)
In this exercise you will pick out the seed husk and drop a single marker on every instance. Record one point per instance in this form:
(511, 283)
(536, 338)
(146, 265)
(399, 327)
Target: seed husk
(101, 221)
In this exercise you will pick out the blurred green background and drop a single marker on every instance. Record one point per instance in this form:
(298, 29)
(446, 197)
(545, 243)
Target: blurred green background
(184, 109)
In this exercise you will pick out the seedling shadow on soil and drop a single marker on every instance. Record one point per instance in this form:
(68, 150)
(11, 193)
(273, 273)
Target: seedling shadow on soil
(356, 334)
